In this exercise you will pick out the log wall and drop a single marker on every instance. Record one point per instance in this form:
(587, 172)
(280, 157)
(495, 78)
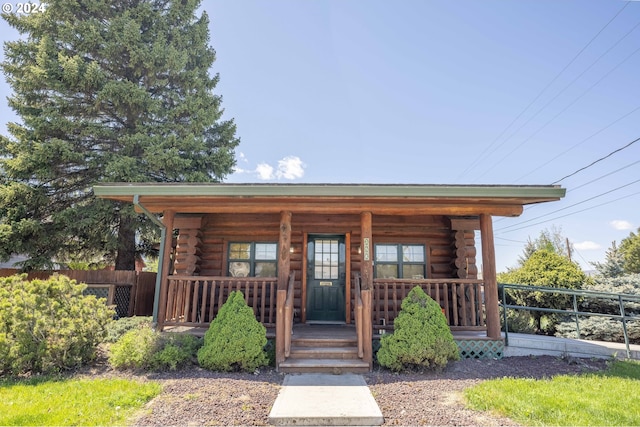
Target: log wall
(434, 232)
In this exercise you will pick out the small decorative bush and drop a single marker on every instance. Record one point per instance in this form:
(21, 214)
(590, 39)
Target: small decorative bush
(235, 339)
(48, 326)
(135, 349)
(145, 349)
(176, 351)
(117, 328)
(421, 337)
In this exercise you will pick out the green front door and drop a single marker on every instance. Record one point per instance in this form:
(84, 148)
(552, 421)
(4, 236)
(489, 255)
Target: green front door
(326, 278)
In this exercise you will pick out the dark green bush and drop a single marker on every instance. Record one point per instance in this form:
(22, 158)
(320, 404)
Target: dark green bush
(235, 339)
(117, 328)
(144, 348)
(421, 337)
(48, 326)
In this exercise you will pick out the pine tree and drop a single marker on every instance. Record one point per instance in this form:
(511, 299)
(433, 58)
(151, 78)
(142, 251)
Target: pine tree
(107, 91)
(613, 265)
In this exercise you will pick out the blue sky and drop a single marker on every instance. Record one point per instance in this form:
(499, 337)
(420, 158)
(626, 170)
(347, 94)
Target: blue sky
(440, 92)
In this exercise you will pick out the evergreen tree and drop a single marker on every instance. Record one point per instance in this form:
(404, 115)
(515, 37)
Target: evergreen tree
(107, 91)
(613, 265)
(549, 240)
(630, 249)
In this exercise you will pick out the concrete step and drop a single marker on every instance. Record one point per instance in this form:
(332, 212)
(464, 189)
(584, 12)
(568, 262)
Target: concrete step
(324, 352)
(324, 366)
(325, 400)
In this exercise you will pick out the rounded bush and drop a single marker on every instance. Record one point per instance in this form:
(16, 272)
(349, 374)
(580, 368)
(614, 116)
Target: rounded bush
(47, 326)
(421, 336)
(144, 348)
(235, 340)
(135, 349)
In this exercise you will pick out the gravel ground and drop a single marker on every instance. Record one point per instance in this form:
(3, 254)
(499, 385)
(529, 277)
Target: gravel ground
(199, 397)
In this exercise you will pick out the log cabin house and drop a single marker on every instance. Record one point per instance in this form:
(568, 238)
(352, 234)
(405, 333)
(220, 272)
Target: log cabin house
(325, 266)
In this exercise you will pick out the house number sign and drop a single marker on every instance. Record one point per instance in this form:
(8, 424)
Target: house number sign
(366, 249)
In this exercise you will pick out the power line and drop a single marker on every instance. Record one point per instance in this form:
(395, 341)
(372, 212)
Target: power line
(596, 161)
(580, 186)
(569, 214)
(481, 156)
(561, 111)
(580, 143)
(558, 95)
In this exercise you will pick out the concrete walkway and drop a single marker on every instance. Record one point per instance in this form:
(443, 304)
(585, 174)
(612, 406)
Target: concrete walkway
(324, 399)
(536, 345)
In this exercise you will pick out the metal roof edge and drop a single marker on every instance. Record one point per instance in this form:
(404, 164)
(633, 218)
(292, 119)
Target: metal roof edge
(332, 190)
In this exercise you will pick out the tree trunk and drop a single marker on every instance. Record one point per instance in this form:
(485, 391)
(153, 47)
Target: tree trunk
(126, 256)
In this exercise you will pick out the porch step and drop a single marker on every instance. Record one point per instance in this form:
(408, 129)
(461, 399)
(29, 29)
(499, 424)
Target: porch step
(323, 342)
(324, 353)
(324, 366)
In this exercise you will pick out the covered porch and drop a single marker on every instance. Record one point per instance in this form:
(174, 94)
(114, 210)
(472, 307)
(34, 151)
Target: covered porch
(439, 223)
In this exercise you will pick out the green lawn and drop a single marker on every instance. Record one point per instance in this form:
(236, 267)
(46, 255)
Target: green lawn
(608, 398)
(66, 402)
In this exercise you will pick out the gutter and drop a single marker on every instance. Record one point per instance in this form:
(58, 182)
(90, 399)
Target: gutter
(163, 235)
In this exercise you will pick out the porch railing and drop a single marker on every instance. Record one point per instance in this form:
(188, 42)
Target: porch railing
(288, 316)
(461, 301)
(359, 315)
(196, 300)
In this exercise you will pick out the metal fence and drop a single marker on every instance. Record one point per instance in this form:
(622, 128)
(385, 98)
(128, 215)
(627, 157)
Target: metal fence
(574, 311)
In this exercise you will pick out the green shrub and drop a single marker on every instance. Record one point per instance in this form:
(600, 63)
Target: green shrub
(176, 351)
(47, 326)
(600, 329)
(421, 337)
(117, 328)
(235, 339)
(135, 349)
(145, 349)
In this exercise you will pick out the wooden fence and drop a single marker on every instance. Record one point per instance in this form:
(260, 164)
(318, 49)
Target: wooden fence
(132, 292)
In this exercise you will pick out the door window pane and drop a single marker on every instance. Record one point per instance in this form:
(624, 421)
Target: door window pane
(326, 259)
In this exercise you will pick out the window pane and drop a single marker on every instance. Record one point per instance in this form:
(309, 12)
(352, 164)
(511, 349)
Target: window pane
(413, 253)
(239, 269)
(386, 271)
(415, 271)
(266, 250)
(240, 250)
(386, 253)
(265, 269)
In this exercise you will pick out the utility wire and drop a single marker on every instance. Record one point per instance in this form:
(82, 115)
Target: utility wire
(571, 104)
(573, 213)
(482, 155)
(596, 161)
(567, 207)
(580, 143)
(558, 95)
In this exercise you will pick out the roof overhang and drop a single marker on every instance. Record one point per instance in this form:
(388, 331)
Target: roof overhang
(383, 199)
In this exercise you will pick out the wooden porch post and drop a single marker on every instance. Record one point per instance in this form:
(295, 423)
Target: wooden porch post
(284, 246)
(366, 272)
(489, 277)
(284, 267)
(167, 219)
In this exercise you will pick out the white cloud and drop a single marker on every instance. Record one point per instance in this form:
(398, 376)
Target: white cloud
(587, 245)
(264, 171)
(242, 157)
(620, 224)
(291, 167)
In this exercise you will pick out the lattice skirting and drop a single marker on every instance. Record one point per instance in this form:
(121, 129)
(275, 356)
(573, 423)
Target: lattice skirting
(480, 349)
